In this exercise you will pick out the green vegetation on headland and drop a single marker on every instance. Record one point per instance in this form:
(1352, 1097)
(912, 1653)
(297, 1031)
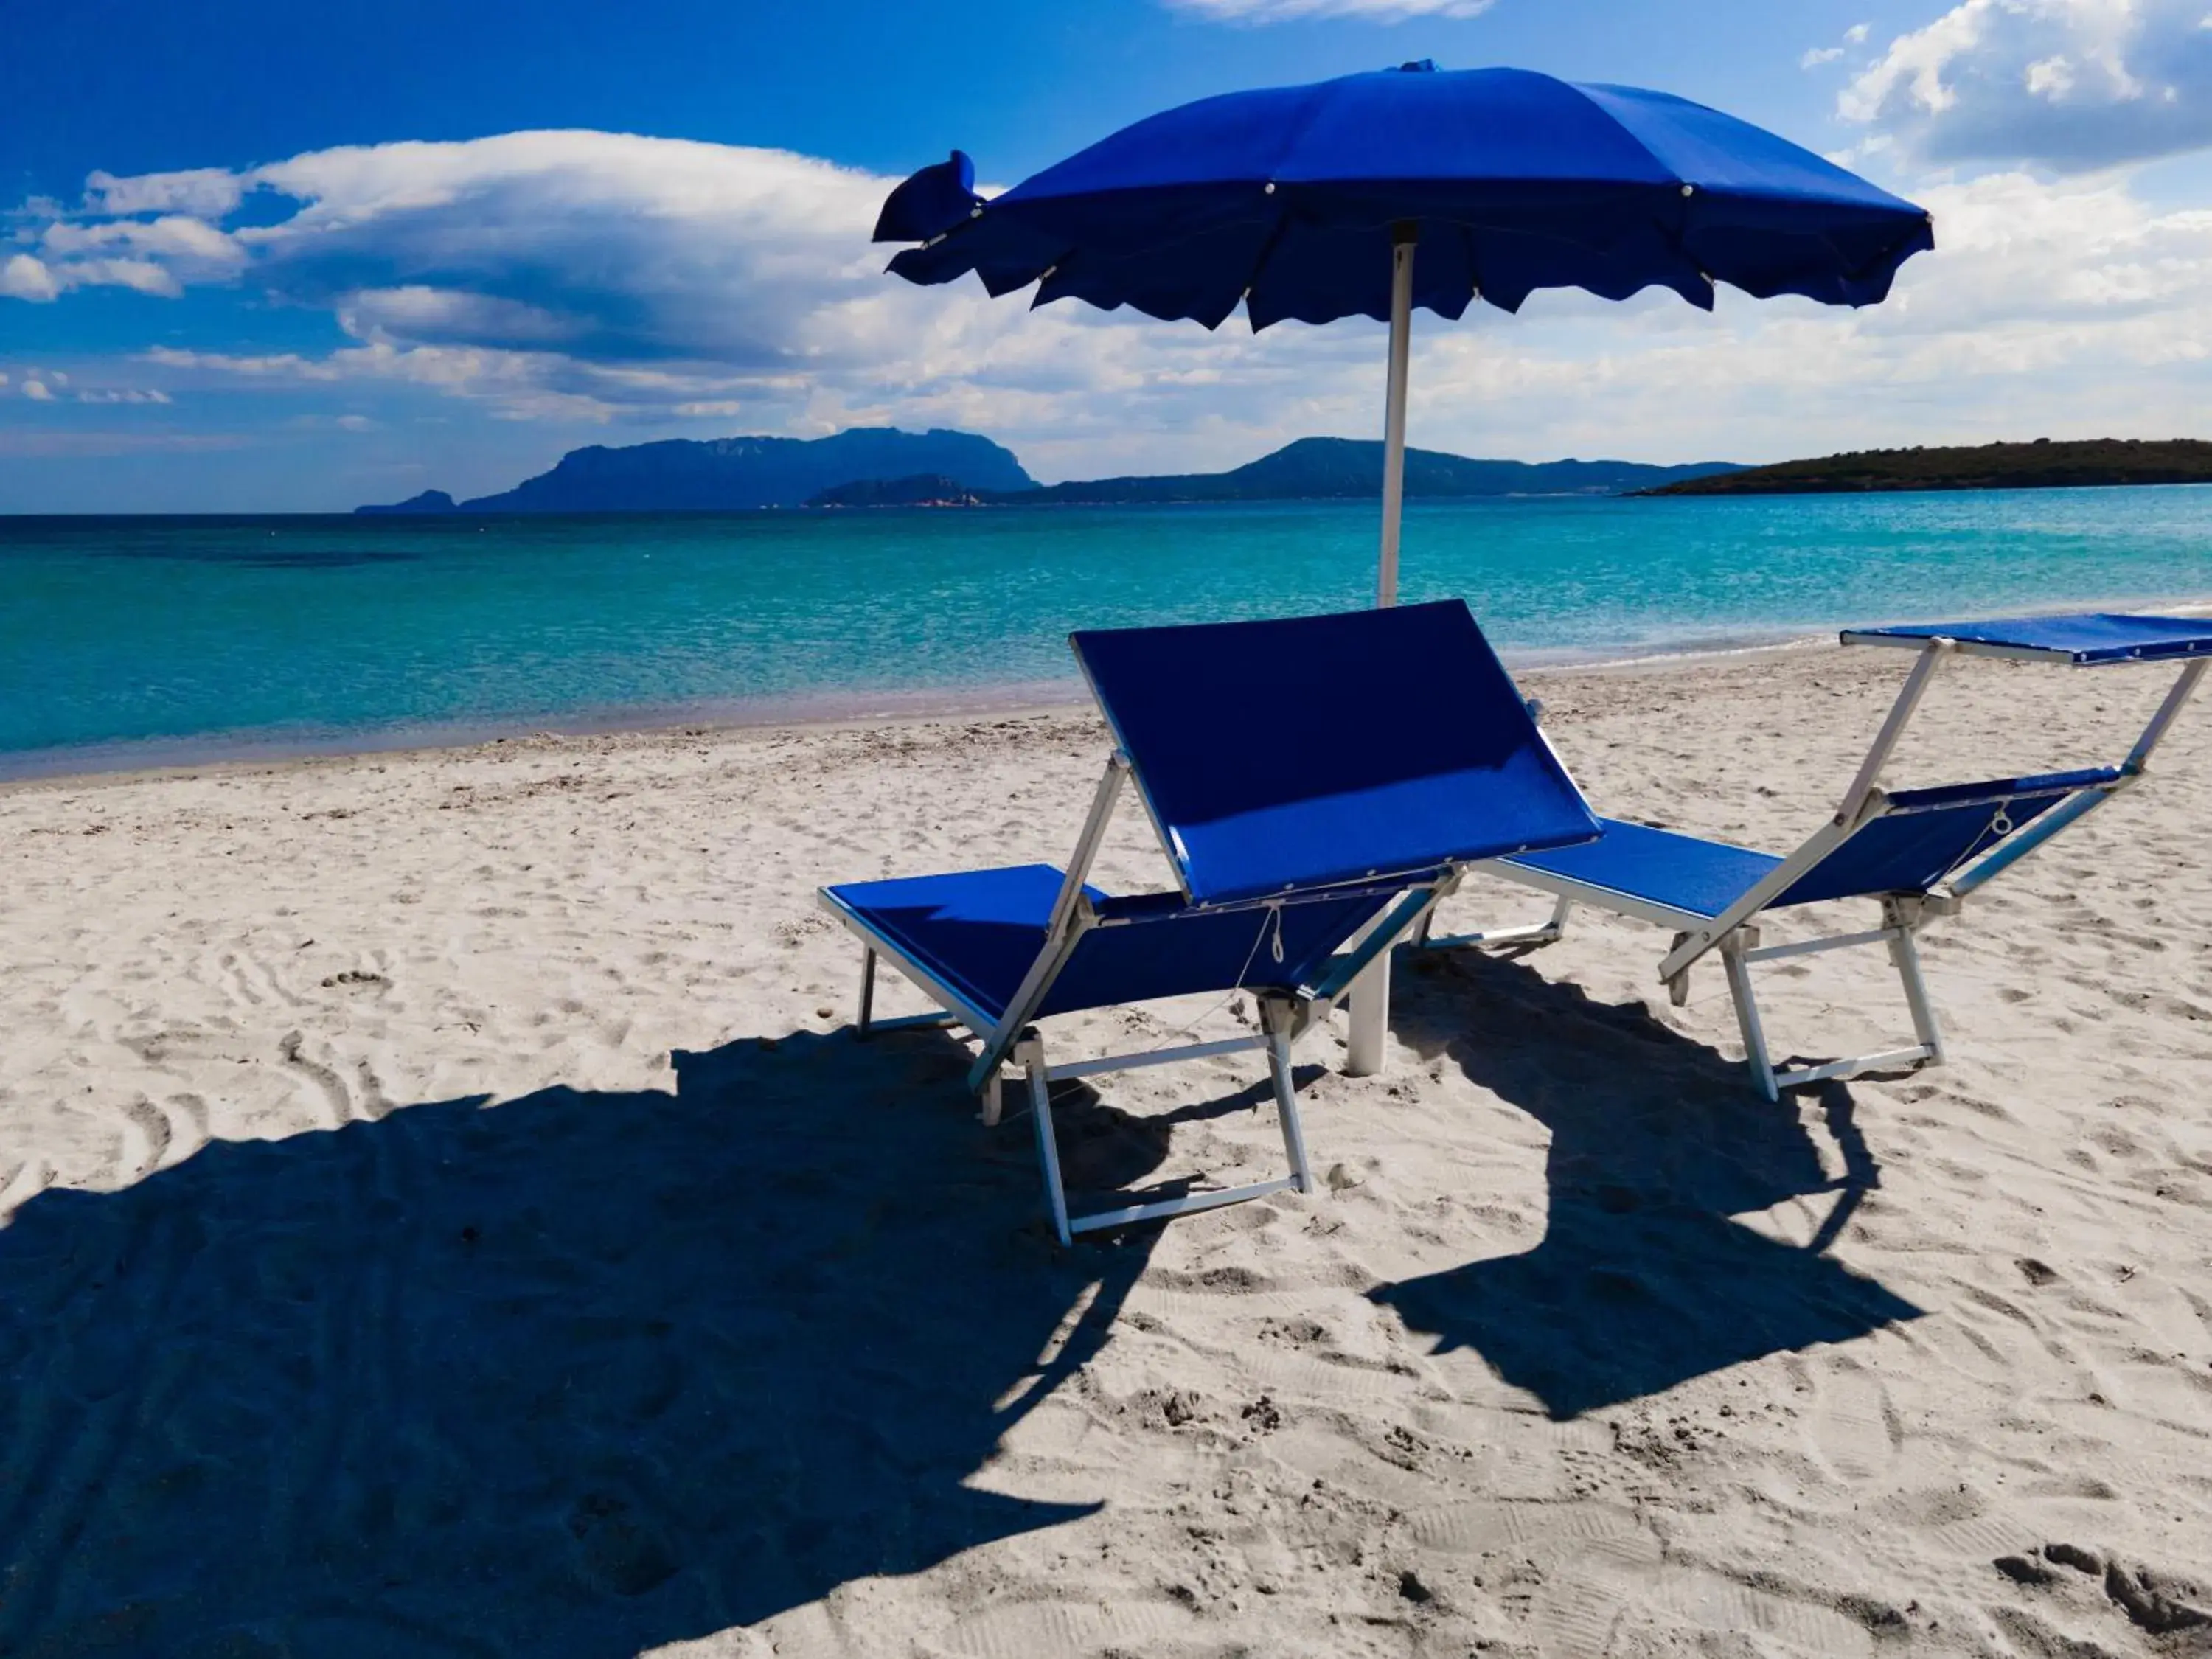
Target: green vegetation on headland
(922, 490)
(2042, 465)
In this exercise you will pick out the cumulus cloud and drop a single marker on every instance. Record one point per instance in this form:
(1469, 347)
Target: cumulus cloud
(37, 392)
(23, 276)
(1285, 11)
(2069, 84)
(202, 192)
(559, 274)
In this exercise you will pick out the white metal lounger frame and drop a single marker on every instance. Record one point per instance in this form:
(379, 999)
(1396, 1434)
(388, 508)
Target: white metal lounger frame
(1012, 1039)
(1733, 932)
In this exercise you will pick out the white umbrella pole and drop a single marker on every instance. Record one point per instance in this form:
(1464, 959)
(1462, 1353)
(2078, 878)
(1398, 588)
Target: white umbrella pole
(1394, 420)
(1367, 1007)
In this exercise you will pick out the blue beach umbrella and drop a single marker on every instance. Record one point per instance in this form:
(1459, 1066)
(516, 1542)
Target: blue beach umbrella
(1372, 194)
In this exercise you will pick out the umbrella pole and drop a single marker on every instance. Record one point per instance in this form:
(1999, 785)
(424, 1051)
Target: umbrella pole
(1394, 419)
(1367, 1007)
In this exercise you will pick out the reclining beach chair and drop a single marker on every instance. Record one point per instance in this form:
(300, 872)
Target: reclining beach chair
(1316, 783)
(1920, 853)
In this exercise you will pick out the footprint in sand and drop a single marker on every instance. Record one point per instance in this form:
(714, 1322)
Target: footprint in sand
(1849, 1425)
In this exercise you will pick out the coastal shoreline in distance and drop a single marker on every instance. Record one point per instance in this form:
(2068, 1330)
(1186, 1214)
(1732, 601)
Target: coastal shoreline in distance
(2045, 464)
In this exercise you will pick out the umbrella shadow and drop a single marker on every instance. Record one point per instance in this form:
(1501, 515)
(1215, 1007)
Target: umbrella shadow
(577, 1375)
(1641, 1280)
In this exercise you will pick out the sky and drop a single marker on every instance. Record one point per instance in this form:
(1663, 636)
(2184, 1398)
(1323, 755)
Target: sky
(262, 257)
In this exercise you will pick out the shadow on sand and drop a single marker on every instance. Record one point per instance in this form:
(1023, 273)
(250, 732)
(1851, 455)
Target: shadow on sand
(1642, 1281)
(574, 1376)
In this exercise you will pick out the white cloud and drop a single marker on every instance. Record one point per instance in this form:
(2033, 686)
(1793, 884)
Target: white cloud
(192, 248)
(544, 270)
(123, 395)
(202, 192)
(2068, 84)
(1856, 34)
(1820, 55)
(24, 277)
(287, 366)
(1283, 11)
(37, 392)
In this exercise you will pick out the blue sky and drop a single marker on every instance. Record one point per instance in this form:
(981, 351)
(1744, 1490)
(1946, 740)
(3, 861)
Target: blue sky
(267, 257)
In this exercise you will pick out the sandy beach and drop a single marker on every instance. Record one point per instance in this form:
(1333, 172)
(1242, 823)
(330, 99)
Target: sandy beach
(446, 1215)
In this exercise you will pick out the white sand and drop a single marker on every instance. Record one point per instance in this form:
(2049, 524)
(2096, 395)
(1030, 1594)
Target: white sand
(377, 1283)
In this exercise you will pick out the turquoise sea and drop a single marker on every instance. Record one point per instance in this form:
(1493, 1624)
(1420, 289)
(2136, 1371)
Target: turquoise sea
(139, 640)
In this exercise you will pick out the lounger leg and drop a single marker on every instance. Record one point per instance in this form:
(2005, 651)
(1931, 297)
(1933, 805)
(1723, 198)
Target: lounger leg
(1279, 1018)
(1678, 988)
(1746, 1012)
(1905, 952)
(867, 990)
(1030, 1055)
(992, 1103)
(1491, 939)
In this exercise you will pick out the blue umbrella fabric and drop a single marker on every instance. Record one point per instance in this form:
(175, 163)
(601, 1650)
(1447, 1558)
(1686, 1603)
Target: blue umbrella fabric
(1290, 200)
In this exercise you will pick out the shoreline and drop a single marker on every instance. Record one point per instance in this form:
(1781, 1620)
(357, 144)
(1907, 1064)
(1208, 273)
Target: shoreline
(129, 759)
(827, 710)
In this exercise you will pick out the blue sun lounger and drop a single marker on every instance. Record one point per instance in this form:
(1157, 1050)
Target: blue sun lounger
(1316, 784)
(1920, 853)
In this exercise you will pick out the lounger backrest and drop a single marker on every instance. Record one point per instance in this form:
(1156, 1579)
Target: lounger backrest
(1922, 837)
(1277, 755)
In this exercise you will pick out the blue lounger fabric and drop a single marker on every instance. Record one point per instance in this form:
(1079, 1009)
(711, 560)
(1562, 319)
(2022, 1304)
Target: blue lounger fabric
(1683, 872)
(978, 931)
(1415, 749)
(2086, 639)
(1926, 836)
(1930, 833)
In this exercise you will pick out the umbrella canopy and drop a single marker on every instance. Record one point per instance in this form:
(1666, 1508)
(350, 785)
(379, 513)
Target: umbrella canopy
(1290, 200)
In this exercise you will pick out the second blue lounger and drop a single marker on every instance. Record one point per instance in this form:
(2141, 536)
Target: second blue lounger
(1918, 853)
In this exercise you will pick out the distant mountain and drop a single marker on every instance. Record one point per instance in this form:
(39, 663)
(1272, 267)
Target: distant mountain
(734, 474)
(922, 490)
(886, 467)
(2042, 465)
(1331, 469)
(430, 500)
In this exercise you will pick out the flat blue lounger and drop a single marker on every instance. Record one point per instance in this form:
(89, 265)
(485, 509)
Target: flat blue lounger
(1316, 784)
(1919, 852)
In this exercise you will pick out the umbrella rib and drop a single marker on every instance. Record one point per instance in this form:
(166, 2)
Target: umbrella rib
(1260, 262)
